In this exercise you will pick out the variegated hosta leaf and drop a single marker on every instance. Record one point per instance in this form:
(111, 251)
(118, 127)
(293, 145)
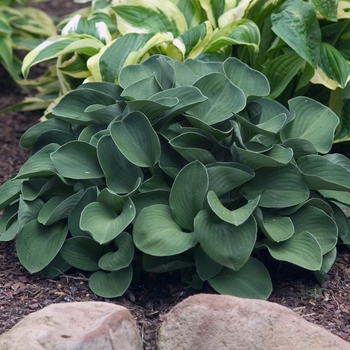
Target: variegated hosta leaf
(149, 16)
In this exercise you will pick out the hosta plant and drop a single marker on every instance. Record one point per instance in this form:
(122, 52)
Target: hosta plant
(179, 166)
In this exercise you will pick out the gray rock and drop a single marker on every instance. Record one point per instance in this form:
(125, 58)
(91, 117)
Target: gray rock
(83, 326)
(223, 322)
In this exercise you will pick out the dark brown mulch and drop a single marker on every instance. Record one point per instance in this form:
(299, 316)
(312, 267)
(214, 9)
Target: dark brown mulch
(22, 293)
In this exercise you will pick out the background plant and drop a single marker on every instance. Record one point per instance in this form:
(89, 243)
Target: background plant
(165, 170)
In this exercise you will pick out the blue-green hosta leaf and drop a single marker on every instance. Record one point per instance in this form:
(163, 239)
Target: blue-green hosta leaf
(333, 69)
(278, 156)
(184, 75)
(57, 208)
(323, 174)
(158, 264)
(107, 88)
(249, 80)
(279, 187)
(129, 49)
(319, 224)
(57, 46)
(281, 70)
(302, 249)
(187, 194)
(327, 263)
(146, 199)
(9, 225)
(339, 159)
(206, 267)
(149, 16)
(37, 245)
(112, 284)
(276, 228)
(270, 108)
(104, 223)
(114, 261)
(297, 25)
(82, 252)
(77, 160)
(228, 245)
(191, 43)
(156, 233)
(251, 281)
(121, 176)
(89, 196)
(327, 8)
(194, 146)
(224, 177)
(10, 232)
(9, 192)
(55, 268)
(241, 32)
(141, 89)
(156, 66)
(72, 106)
(40, 164)
(104, 114)
(136, 139)
(52, 136)
(342, 197)
(111, 199)
(313, 122)
(28, 210)
(202, 68)
(300, 147)
(30, 136)
(222, 102)
(236, 217)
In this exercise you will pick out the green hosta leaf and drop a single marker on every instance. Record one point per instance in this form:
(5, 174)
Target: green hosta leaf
(251, 281)
(323, 174)
(213, 9)
(337, 196)
(60, 45)
(327, 8)
(113, 261)
(222, 102)
(194, 146)
(121, 176)
(57, 208)
(89, 196)
(228, 245)
(191, 10)
(157, 264)
(30, 136)
(157, 67)
(10, 232)
(37, 245)
(279, 187)
(302, 249)
(129, 49)
(313, 122)
(136, 139)
(112, 284)
(319, 224)
(82, 252)
(341, 220)
(333, 69)
(281, 70)
(28, 210)
(104, 223)
(277, 156)
(55, 268)
(149, 17)
(297, 25)
(40, 164)
(206, 267)
(156, 233)
(9, 225)
(236, 217)
(9, 192)
(327, 262)
(143, 200)
(276, 228)
(224, 177)
(187, 194)
(77, 160)
(72, 107)
(250, 81)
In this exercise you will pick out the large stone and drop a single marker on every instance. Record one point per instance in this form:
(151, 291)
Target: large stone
(83, 326)
(223, 322)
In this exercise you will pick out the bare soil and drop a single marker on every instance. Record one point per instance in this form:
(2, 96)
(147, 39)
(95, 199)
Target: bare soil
(22, 293)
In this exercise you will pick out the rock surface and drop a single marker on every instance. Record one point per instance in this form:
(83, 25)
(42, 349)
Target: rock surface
(83, 326)
(223, 322)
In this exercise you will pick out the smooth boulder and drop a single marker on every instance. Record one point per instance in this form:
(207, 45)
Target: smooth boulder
(83, 326)
(222, 322)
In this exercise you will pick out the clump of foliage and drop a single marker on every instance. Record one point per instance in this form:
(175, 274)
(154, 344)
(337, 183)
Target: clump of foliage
(181, 165)
(304, 50)
(22, 28)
